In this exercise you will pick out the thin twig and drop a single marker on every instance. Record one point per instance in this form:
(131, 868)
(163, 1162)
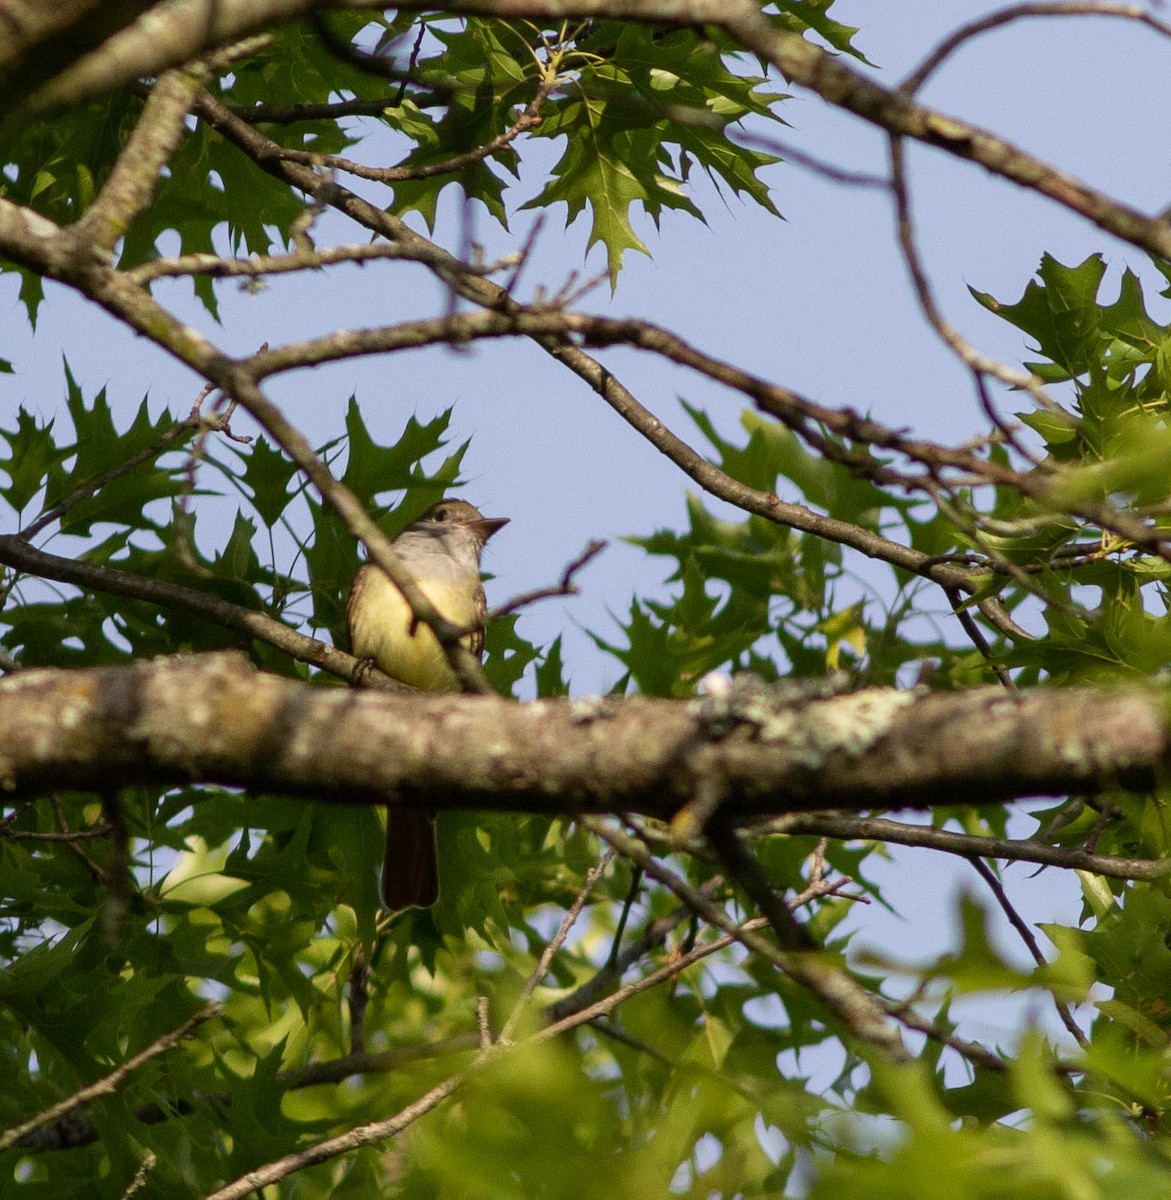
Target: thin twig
(744, 868)
(966, 845)
(304, 260)
(98, 874)
(109, 1084)
(556, 942)
(977, 638)
(247, 621)
(176, 433)
(530, 118)
(100, 830)
(565, 587)
(841, 994)
(1051, 8)
(1026, 935)
(148, 1164)
(979, 364)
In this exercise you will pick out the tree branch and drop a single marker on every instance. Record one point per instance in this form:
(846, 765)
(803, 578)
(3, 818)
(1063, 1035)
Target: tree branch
(109, 1084)
(966, 845)
(249, 622)
(211, 718)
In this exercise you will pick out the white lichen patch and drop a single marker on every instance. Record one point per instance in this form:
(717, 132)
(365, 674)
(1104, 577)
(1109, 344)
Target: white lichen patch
(75, 710)
(589, 708)
(815, 732)
(852, 724)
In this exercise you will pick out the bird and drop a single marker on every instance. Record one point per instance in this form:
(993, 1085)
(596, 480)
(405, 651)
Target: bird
(441, 550)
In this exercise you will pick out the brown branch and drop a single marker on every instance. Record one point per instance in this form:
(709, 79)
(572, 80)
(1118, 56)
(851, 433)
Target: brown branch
(978, 364)
(140, 50)
(16, 553)
(193, 423)
(290, 114)
(255, 1181)
(530, 118)
(840, 993)
(589, 1002)
(131, 184)
(108, 1084)
(212, 719)
(263, 149)
(37, 242)
(555, 943)
(100, 830)
(381, 1130)
(557, 331)
(807, 65)
(604, 982)
(1026, 935)
(599, 993)
(1017, 12)
(149, 1162)
(266, 154)
(240, 385)
(966, 845)
(565, 587)
(554, 331)
(977, 1055)
(40, 40)
(744, 869)
(303, 260)
(97, 873)
(977, 638)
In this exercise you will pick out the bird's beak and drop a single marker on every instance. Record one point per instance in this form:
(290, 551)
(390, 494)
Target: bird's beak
(485, 527)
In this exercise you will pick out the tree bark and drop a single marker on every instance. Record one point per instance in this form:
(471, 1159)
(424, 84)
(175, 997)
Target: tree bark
(214, 719)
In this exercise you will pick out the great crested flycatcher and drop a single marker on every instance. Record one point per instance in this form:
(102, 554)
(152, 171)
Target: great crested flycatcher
(441, 550)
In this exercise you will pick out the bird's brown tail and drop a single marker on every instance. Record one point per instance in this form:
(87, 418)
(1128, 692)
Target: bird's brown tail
(410, 870)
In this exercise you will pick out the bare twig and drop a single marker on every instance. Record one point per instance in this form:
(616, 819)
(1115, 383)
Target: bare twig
(790, 153)
(555, 943)
(109, 1084)
(1026, 935)
(100, 830)
(249, 622)
(1016, 12)
(304, 260)
(241, 386)
(172, 436)
(843, 996)
(131, 184)
(966, 845)
(979, 364)
(745, 870)
(378, 1131)
(483, 1022)
(977, 638)
(567, 585)
(148, 1164)
(977, 1055)
(97, 873)
(530, 118)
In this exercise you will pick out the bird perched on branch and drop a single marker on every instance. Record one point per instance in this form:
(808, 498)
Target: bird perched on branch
(441, 551)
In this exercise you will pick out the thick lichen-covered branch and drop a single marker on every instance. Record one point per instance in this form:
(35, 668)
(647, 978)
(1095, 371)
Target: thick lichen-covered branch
(212, 719)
